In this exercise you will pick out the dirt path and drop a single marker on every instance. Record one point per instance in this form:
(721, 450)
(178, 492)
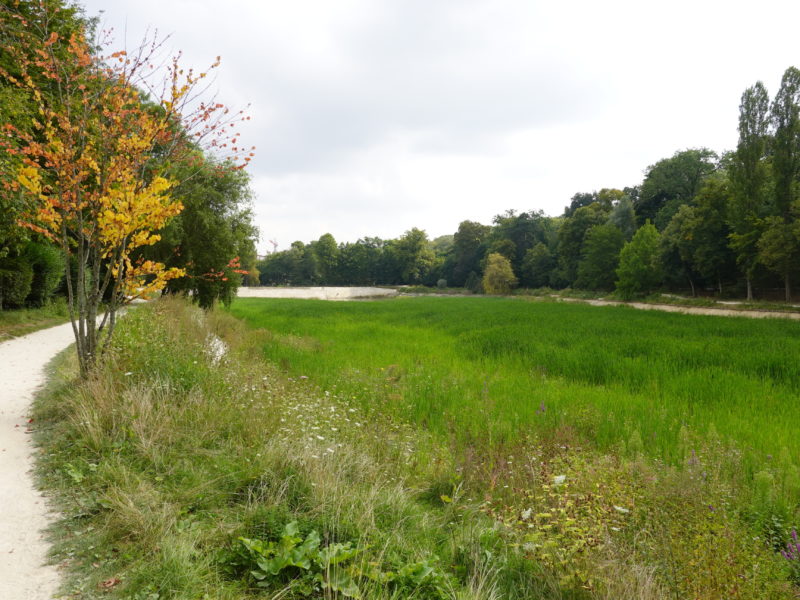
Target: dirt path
(690, 310)
(23, 511)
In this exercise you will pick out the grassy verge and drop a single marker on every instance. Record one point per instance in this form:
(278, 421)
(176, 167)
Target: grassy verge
(17, 322)
(181, 473)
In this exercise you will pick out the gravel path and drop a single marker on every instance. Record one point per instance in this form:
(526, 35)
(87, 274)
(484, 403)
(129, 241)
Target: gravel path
(23, 510)
(690, 310)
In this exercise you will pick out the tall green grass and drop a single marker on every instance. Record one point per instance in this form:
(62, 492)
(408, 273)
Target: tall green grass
(501, 368)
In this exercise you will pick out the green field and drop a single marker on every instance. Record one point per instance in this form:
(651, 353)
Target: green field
(501, 368)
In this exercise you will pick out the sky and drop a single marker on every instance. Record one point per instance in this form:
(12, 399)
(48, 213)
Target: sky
(371, 117)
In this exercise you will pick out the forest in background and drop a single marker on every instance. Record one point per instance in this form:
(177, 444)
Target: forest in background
(699, 222)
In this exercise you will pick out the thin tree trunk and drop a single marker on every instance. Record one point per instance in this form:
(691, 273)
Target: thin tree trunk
(749, 289)
(787, 287)
(691, 283)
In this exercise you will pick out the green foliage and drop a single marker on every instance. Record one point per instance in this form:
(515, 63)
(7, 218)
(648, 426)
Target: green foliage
(302, 563)
(48, 271)
(538, 266)
(779, 247)
(749, 179)
(639, 271)
(16, 277)
(498, 277)
(414, 255)
(785, 113)
(213, 230)
(468, 250)
(473, 283)
(572, 234)
(601, 249)
(623, 216)
(672, 182)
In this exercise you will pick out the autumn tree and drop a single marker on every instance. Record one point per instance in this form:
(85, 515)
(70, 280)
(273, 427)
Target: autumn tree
(92, 167)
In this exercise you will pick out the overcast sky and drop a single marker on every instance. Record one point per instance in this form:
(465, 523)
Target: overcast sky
(371, 117)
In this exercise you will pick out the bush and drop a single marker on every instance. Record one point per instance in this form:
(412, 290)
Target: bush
(499, 277)
(48, 271)
(473, 283)
(441, 284)
(16, 276)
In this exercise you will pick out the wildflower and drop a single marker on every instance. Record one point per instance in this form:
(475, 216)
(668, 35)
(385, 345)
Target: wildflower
(559, 479)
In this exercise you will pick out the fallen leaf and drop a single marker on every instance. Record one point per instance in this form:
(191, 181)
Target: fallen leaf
(110, 583)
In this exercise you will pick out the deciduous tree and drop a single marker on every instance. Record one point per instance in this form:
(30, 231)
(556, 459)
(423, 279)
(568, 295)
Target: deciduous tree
(639, 270)
(93, 166)
(498, 276)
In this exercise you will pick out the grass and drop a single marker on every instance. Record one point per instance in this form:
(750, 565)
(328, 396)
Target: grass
(353, 457)
(500, 367)
(17, 322)
(163, 460)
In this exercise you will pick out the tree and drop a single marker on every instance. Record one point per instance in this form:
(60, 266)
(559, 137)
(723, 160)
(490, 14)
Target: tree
(601, 249)
(786, 167)
(468, 249)
(571, 237)
(326, 253)
(623, 216)
(538, 266)
(523, 230)
(93, 167)
(212, 238)
(672, 182)
(414, 255)
(677, 248)
(498, 277)
(17, 106)
(639, 271)
(712, 257)
(749, 176)
(779, 248)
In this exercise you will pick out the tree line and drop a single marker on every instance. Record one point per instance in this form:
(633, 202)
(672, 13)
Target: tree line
(698, 221)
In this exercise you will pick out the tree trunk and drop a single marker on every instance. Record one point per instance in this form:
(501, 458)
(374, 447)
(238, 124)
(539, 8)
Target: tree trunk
(749, 289)
(788, 287)
(691, 283)
(719, 286)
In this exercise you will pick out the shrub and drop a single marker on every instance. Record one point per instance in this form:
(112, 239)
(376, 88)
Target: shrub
(48, 271)
(441, 284)
(473, 283)
(498, 278)
(16, 276)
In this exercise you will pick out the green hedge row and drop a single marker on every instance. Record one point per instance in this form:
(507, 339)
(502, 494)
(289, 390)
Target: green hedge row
(32, 277)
